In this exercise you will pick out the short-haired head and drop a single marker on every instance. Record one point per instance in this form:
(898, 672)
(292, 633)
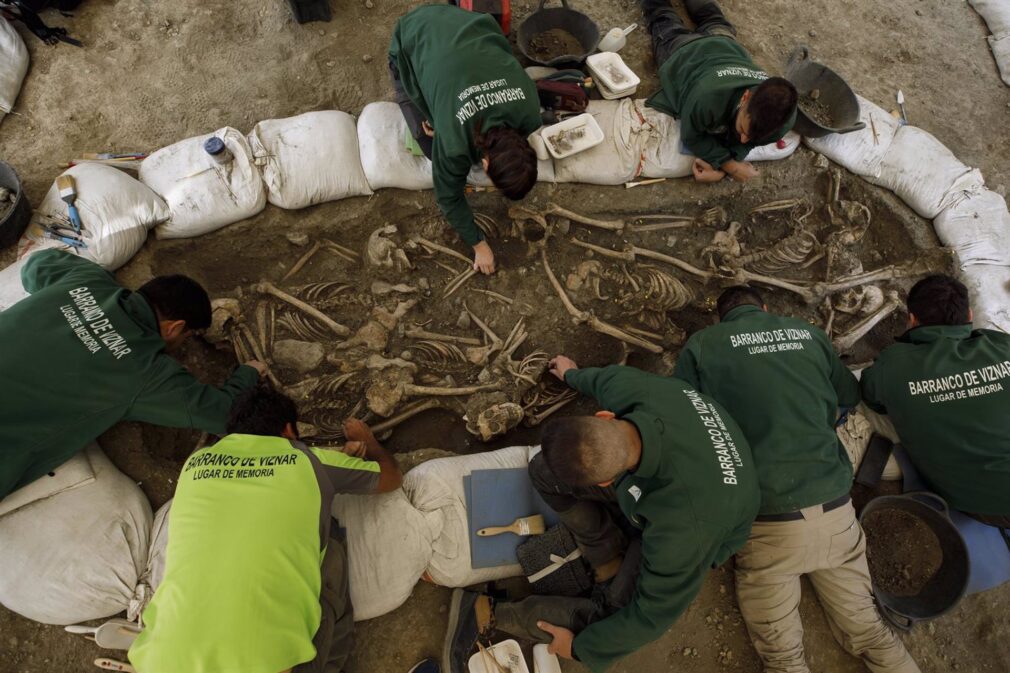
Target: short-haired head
(511, 162)
(939, 300)
(585, 450)
(180, 304)
(738, 295)
(771, 105)
(262, 411)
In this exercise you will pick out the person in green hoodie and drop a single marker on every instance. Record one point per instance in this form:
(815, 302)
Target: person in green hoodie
(256, 573)
(783, 382)
(726, 104)
(677, 470)
(82, 353)
(946, 389)
(466, 100)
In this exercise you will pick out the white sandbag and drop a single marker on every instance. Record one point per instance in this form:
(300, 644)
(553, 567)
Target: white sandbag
(13, 65)
(309, 159)
(996, 14)
(989, 291)
(437, 487)
(772, 151)
(203, 195)
(479, 178)
(155, 572)
(116, 213)
(662, 154)
(925, 174)
(384, 157)
(11, 290)
(860, 152)
(74, 546)
(1001, 52)
(978, 229)
(618, 159)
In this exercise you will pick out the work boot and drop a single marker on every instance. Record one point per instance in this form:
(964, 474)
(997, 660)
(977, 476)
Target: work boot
(470, 616)
(426, 666)
(708, 18)
(608, 570)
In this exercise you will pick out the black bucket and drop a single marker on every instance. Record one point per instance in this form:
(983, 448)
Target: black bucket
(580, 26)
(14, 222)
(944, 590)
(807, 75)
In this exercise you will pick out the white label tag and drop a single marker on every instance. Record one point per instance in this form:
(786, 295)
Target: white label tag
(635, 492)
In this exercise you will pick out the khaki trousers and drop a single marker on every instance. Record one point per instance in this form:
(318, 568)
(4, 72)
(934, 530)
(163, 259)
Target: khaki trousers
(829, 548)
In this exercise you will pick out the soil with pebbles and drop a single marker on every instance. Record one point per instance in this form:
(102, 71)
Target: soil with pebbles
(903, 551)
(553, 43)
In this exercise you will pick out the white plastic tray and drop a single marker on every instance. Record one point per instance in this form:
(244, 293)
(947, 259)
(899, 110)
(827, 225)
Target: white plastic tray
(609, 70)
(507, 653)
(589, 135)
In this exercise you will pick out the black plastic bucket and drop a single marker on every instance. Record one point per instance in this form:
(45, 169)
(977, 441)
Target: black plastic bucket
(14, 222)
(580, 26)
(835, 93)
(944, 590)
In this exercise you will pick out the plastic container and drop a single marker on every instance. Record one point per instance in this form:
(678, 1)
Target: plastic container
(613, 77)
(580, 133)
(543, 661)
(616, 38)
(218, 151)
(13, 219)
(311, 10)
(507, 653)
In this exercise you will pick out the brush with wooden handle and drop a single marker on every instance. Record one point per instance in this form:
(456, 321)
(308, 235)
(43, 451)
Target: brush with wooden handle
(68, 192)
(525, 525)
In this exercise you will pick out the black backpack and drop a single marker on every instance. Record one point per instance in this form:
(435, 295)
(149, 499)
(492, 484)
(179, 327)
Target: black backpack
(27, 12)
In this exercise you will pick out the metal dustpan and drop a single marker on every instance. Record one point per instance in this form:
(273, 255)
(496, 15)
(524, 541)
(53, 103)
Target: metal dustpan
(581, 27)
(807, 75)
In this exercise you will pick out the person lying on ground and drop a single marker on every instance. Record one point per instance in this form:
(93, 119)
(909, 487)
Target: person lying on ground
(656, 490)
(466, 100)
(256, 574)
(946, 389)
(783, 382)
(726, 104)
(83, 353)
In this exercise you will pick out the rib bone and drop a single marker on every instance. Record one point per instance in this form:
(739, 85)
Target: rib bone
(268, 288)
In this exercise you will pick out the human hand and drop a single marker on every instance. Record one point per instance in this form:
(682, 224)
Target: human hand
(354, 448)
(261, 369)
(561, 644)
(703, 172)
(483, 258)
(560, 364)
(428, 129)
(357, 431)
(741, 171)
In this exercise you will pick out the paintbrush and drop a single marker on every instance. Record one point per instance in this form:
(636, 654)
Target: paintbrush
(526, 525)
(68, 192)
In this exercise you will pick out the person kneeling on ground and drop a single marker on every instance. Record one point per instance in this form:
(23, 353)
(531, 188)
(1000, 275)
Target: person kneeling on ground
(256, 578)
(83, 353)
(946, 389)
(676, 466)
(726, 104)
(785, 392)
(466, 100)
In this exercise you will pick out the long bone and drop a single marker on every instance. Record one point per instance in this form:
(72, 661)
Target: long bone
(335, 327)
(844, 342)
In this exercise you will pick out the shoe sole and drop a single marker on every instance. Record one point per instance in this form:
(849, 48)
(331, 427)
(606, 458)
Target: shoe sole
(450, 631)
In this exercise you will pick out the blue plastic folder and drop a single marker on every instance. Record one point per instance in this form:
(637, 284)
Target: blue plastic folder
(502, 496)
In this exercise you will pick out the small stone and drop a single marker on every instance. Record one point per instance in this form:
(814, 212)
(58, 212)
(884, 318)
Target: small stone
(686, 652)
(330, 64)
(463, 321)
(671, 241)
(918, 12)
(812, 33)
(366, 58)
(406, 355)
(694, 651)
(300, 356)
(322, 32)
(814, 94)
(297, 238)
(369, 4)
(423, 283)
(820, 161)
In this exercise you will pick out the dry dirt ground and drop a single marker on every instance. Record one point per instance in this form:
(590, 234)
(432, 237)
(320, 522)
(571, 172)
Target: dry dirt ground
(153, 73)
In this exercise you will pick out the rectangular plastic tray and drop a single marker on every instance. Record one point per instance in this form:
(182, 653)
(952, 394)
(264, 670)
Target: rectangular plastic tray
(590, 136)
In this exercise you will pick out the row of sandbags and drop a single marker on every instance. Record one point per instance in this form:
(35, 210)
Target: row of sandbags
(967, 217)
(997, 17)
(82, 544)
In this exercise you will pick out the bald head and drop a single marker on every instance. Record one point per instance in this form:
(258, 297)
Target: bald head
(585, 450)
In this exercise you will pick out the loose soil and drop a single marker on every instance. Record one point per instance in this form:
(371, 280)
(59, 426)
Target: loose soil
(903, 551)
(553, 43)
(817, 109)
(154, 73)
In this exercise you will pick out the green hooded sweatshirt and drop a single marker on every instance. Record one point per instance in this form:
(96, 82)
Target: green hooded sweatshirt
(458, 69)
(782, 381)
(701, 85)
(947, 391)
(693, 496)
(81, 354)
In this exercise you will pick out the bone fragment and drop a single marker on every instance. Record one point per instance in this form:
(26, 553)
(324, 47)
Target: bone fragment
(432, 246)
(247, 333)
(418, 333)
(846, 341)
(302, 261)
(335, 327)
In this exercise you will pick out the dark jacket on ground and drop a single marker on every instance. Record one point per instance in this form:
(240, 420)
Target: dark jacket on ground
(81, 354)
(694, 496)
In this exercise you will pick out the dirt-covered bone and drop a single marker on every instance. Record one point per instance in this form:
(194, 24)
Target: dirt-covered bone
(847, 340)
(382, 251)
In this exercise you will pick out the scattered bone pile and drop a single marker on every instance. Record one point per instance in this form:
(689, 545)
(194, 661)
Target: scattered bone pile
(342, 349)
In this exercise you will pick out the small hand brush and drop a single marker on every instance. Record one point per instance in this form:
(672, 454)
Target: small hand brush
(68, 192)
(526, 525)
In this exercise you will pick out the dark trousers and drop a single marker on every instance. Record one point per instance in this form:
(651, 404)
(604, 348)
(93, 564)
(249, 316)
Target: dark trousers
(334, 641)
(669, 32)
(411, 113)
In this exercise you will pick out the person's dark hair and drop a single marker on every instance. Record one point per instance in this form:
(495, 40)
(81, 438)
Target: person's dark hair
(738, 295)
(939, 300)
(511, 162)
(262, 411)
(583, 450)
(770, 106)
(178, 298)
